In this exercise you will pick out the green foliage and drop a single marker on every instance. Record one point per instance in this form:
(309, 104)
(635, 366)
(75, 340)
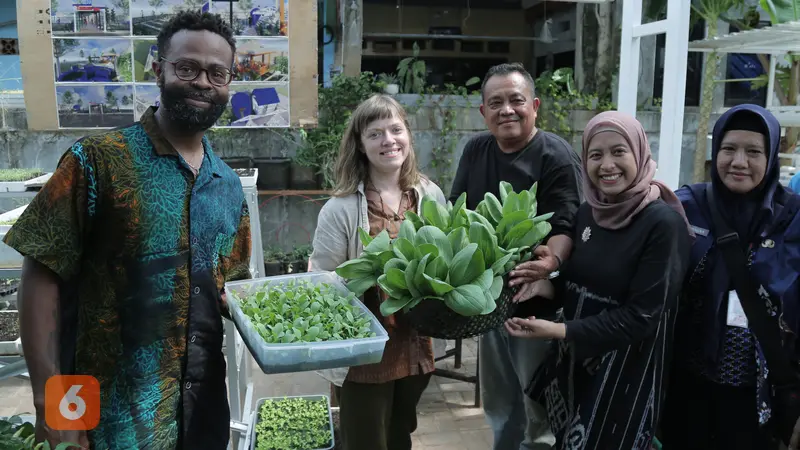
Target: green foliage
(300, 311)
(11, 175)
(281, 64)
(713, 10)
(559, 97)
(124, 68)
(320, 146)
(293, 424)
(447, 105)
(272, 254)
(388, 78)
(301, 253)
(18, 435)
(451, 254)
(780, 11)
(412, 73)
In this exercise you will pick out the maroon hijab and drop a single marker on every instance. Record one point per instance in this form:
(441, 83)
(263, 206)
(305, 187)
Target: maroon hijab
(642, 191)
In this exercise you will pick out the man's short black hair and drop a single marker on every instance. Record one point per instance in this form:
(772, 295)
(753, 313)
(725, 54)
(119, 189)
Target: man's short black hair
(195, 21)
(507, 69)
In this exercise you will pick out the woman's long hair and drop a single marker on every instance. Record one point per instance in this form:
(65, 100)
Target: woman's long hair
(352, 165)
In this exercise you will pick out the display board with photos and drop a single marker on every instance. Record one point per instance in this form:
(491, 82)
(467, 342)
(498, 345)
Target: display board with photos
(104, 50)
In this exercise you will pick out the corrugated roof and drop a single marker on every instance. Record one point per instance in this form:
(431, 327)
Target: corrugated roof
(781, 38)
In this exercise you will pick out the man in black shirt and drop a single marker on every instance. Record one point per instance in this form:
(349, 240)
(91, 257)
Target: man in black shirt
(515, 151)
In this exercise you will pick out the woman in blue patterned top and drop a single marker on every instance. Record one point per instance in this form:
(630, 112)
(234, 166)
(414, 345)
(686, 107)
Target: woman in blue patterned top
(719, 394)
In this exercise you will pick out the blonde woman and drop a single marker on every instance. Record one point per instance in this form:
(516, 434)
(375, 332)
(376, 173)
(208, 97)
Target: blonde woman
(377, 181)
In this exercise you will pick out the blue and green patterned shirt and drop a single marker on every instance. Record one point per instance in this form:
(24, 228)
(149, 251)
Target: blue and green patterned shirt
(144, 249)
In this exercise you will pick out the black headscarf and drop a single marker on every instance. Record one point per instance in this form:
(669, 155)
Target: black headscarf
(748, 213)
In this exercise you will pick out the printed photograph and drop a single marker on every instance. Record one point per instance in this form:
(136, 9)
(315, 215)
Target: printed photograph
(90, 17)
(257, 105)
(100, 60)
(146, 95)
(262, 60)
(150, 15)
(256, 17)
(145, 53)
(95, 106)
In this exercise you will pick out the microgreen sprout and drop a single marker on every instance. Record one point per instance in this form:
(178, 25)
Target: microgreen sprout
(301, 311)
(293, 424)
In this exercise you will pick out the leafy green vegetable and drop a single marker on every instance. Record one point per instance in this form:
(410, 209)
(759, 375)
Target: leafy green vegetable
(300, 311)
(18, 435)
(293, 424)
(451, 254)
(364, 272)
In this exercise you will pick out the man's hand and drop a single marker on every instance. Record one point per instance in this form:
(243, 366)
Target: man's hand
(535, 328)
(55, 437)
(537, 269)
(540, 288)
(794, 442)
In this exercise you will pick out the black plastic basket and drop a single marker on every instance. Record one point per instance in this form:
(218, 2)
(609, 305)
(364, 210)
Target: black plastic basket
(434, 319)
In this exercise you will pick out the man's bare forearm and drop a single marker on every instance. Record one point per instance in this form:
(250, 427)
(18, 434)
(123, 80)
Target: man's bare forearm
(38, 304)
(561, 246)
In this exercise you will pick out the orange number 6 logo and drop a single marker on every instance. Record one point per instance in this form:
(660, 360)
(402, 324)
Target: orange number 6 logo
(72, 402)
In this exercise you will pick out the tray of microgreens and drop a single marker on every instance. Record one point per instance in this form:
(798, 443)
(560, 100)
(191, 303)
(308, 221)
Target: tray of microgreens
(292, 423)
(304, 322)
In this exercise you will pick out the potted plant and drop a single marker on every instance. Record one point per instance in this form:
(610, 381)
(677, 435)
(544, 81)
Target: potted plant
(391, 83)
(273, 173)
(412, 73)
(298, 259)
(274, 262)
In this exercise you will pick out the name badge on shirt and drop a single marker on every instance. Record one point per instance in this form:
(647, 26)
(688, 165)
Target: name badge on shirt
(736, 315)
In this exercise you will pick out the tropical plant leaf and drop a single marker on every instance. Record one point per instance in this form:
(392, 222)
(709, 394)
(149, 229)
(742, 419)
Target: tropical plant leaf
(407, 230)
(404, 249)
(359, 286)
(355, 268)
(392, 305)
(435, 236)
(379, 244)
(414, 219)
(467, 300)
(439, 287)
(467, 265)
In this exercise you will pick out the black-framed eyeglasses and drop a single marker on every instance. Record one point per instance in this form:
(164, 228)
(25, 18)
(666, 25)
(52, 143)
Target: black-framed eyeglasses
(188, 70)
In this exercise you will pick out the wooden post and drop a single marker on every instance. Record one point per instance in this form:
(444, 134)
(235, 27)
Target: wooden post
(36, 64)
(303, 63)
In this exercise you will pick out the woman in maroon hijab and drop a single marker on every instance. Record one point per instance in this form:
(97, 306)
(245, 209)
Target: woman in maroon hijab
(602, 385)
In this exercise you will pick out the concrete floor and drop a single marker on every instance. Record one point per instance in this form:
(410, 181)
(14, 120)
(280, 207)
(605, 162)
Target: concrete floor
(448, 419)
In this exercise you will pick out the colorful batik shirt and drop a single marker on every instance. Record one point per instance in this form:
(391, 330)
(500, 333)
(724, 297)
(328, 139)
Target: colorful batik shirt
(144, 249)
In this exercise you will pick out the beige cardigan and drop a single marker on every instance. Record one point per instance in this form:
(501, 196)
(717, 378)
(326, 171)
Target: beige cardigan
(336, 237)
(336, 240)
